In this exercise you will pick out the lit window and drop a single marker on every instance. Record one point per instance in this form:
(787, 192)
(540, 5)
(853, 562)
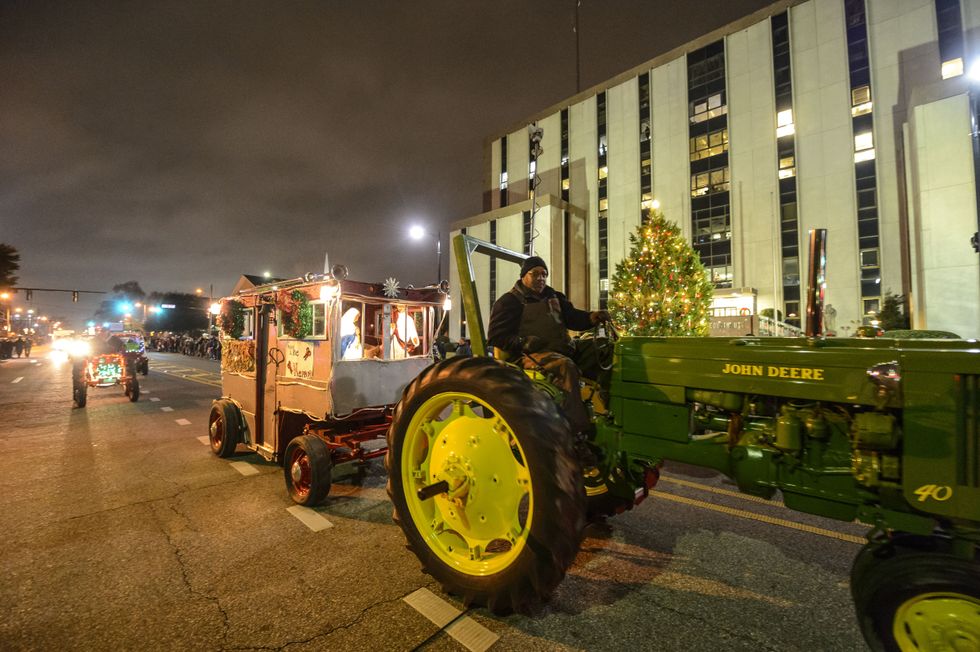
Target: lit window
(603, 204)
(871, 306)
(565, 184)
(864, 155)
(708, 145)
(710, 109)
(503, 180)
(863, 141)
(784, 123)
(603, 172)
(602, 145)
(861, 101)
(952, 68)
(532, 168)
(787, 167)
(564, 160)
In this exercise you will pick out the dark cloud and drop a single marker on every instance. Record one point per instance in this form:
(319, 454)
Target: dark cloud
(182, 143)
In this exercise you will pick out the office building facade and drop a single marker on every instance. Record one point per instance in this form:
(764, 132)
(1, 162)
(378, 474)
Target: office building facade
(856, 116)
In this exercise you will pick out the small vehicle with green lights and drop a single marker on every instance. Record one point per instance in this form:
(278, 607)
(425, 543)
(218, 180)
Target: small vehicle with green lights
(102, 370)
(492, 490)
(311, 368)
(135, 348)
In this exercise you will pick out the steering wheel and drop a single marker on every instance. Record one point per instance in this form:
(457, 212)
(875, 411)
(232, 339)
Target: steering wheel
(604, 344)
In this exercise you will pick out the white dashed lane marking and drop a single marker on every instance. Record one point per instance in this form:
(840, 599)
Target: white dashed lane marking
(183, 422)
(17, 379)
(154, 398)
(244, 468)
(310, 518)
(471, 634)
(204, 439)
(167, 409)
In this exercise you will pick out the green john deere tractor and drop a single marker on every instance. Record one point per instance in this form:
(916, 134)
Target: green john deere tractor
(492, 491)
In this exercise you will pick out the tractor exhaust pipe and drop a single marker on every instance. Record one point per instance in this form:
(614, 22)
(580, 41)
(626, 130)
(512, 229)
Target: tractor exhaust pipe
(816, 282)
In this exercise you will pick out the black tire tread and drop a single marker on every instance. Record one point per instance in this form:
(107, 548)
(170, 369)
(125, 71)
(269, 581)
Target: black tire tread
(228, 412)
(887, 572)
(321, 465)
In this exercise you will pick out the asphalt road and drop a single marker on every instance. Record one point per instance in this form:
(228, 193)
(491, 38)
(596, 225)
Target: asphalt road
(119, 530)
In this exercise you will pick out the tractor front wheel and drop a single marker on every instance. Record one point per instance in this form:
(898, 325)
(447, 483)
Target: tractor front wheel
(485, 483)
(916, 597)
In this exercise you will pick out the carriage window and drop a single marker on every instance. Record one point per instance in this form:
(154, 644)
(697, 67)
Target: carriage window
(319, 320)
(352, 340)
(406, 324)
(316, 327)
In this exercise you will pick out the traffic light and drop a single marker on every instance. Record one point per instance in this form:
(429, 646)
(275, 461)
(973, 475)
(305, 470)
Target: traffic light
(28, 294)
(74, 296)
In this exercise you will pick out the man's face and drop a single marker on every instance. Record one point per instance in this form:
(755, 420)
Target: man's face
(535, 279)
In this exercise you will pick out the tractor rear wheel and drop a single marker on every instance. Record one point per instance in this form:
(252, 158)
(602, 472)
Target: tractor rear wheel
(916, 597)
(485, 483)
(79, 393)
(133, 389)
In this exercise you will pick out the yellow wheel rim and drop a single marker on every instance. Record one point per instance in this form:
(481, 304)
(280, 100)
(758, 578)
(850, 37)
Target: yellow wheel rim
(938, 621)
(482, 523)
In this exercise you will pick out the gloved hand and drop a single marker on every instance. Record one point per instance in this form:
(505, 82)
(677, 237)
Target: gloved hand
(599, 316)
(533, 344)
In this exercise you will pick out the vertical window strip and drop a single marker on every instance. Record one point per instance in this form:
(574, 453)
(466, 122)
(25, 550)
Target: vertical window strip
(462, 308)
(503, 172)
(710, 176)
(527, 232)
(493, 263)
(789, 225)
(602, 207)
(565, 187)
(865, 172)
(646, 159)
(949, 25)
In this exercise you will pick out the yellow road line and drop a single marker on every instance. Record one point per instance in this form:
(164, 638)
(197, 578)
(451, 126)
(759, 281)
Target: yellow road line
(723, 492)
(730, 511)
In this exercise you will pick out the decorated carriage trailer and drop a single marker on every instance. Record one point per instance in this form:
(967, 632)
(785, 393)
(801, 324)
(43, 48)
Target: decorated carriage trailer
(311, 369)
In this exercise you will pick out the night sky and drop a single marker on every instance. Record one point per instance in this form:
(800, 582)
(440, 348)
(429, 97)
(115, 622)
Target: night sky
(180, 144)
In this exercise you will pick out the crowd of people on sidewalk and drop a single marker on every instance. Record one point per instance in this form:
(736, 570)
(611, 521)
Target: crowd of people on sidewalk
(200, 346)
(16, 345)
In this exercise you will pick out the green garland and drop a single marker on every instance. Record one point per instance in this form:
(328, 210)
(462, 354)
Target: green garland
(232, 318)
(296, 314)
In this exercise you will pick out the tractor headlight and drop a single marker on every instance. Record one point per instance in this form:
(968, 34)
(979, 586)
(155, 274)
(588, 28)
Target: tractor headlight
(79, 349)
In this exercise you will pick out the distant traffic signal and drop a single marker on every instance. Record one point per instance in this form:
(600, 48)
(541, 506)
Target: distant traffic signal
(28, 294)
(74, 296)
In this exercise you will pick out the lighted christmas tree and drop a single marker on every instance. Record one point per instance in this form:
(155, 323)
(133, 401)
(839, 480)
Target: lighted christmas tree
(661, 288)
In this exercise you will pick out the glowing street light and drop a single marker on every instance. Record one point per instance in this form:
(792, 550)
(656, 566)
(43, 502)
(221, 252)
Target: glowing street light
(417, 232)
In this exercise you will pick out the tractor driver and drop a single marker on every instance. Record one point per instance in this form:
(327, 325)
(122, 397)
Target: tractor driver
(531, 321)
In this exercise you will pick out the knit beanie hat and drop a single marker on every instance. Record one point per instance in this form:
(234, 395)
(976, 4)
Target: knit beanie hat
(531, 263)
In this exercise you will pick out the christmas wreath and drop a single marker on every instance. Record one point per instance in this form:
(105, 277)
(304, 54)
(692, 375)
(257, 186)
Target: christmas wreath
(231, 320)
(296, 314)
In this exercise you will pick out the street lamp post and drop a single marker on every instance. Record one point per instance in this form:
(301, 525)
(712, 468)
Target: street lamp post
(417, 233)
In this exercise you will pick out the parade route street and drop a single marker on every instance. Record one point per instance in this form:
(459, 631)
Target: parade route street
(121, 531)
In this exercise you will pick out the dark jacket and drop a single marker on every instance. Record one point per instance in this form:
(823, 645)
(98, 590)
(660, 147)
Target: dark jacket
(505, 317)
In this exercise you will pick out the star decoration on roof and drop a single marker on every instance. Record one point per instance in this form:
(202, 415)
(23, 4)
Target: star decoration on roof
(391, 287)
